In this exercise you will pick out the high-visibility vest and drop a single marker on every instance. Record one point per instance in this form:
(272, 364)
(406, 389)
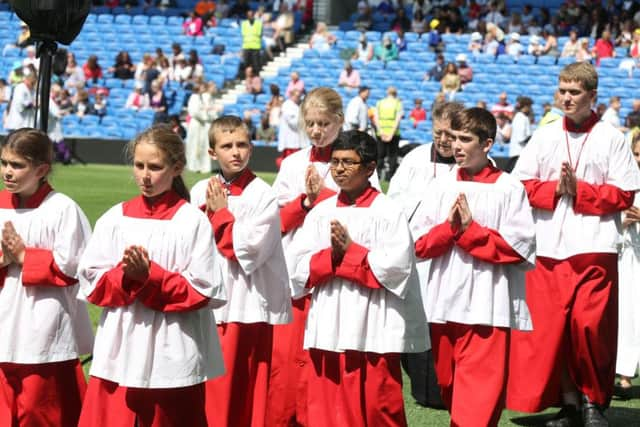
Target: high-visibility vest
(251, 34)
(388, 110)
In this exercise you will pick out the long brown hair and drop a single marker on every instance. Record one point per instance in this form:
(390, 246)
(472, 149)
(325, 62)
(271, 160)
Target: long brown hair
(32, 144)
(171, 145)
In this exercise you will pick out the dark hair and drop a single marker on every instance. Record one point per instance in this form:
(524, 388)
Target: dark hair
(170, 143)
(360, 142)
(32, 144)
(227, 123)
(476, 121)
(274, 89)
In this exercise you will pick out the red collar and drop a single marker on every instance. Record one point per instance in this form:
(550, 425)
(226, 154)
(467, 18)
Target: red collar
(164, 207)
(364, 200)
(588, 124)
(488, 175)
(320, 154)
(12, 201)
(237, 186)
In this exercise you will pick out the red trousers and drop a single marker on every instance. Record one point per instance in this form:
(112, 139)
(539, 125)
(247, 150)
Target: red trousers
(287, 401)
(471, 366)
(239, 397)
(574, 308)
(109, 405)
(47, 394)
(355, 389)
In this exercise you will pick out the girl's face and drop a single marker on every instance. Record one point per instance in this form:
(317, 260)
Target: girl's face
(21, 176)
(153, 174)
(321, 126)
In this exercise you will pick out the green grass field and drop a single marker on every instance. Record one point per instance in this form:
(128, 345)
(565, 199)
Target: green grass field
(98, 187)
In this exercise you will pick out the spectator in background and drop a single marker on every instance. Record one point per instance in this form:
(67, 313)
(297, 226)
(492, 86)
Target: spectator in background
(82, 105)
(251, 30)
(123, 68)
(572, 45)
(5, 92)
(494, 40)
(502, 106)
(438, 101)
(193, 71)
(419, 23)
(193, 26)
(494, 16)
(634, 48)
(418, 113)
(290, 139)
(633, 118)
(22, 106)
(475, 45)
(274, 106)
(31, 58)
(434, 40)
(387, 116)
(322, 39)
(205, 9)
(284, 26)
(515, 23)
(92, 70)
(295, 83)
(54, 128)
(363, 19)
(423, 6)
(364, 50)
(534, 48)
(99, 106)
(401, 21)
(265, 132)
(584, 53)
(165, 69)
(400, 41)
(176, 126)
(514, 47)
(355, 116)
(247, 119)
(464, 70)
(550, 46)
(612, 114)
(386, 51)
(138, 99)
(252, 83)
(520, 129)
(269, 34)
(176, 53)
(450, 83)
(158, 102)
(503, 129)
(555, 111)
(349, 77)
(202, 112)
(600, 109)
(604, 47)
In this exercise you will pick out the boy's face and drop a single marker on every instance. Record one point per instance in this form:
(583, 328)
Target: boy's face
(468, 151)
(232, 151)
(576, 101)
(348, 171)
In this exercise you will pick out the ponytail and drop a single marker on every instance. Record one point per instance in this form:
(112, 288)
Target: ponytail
(180, 187)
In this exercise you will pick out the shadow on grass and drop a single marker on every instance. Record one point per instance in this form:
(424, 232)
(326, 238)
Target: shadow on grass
(618, 416)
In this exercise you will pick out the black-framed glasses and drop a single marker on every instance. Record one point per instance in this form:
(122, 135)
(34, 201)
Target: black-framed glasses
(346, 163)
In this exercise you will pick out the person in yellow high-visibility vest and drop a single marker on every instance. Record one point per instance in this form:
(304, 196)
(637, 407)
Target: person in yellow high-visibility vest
(251, 30)
(387, 116)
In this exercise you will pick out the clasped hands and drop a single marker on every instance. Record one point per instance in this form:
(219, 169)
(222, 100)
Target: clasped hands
(13, 248)
(567, 185)
(313, 183)
(460, 215)
(216, 195)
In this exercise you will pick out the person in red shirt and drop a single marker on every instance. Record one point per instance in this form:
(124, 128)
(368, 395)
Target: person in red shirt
(91, 69)
(418, 114)
(604, 47)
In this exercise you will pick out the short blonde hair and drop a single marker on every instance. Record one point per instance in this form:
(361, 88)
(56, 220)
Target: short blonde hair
(581, 72)
(324, 99)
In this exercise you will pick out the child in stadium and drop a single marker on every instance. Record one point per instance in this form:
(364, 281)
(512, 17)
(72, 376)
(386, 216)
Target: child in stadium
(302, 182)
(629, 293)
(43, 326)
(354, 251)
(245, 218)
(417, 169)
(475, 225)
(579, 175)
(150, 265)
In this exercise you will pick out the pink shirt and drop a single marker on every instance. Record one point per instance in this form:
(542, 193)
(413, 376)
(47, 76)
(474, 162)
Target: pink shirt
(298, 85)
(351, 80)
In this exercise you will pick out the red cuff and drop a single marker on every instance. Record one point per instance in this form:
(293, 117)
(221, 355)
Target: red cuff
(39, 268)
(168, 292)
(111, 290)
(436, 242)
(542, 194)
(355, 267)
(321, 268)
(601, 199)
(487, 245)
(222, 221)
(292, 214)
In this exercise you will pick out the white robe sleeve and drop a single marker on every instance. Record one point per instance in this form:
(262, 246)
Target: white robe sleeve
(623, 170)
(518, 228)
(72, 234)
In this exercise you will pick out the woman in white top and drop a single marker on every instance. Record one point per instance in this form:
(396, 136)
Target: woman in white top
(44, 327)
(150, 265)
(202, 112)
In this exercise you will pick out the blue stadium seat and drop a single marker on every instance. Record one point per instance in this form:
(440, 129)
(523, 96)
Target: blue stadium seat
(158, 20)
(105, 19)
(175, 21)
(140, 20)
(122, 19)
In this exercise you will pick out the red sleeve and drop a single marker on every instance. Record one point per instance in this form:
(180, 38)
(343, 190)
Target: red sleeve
(112, 290)
(601, 199)
(321, 268)
(355, 267)
(292, 214)
(168, 292)
(487, 245)
(436, 242)
(542, 194)
(222, 221)
(39, 268)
